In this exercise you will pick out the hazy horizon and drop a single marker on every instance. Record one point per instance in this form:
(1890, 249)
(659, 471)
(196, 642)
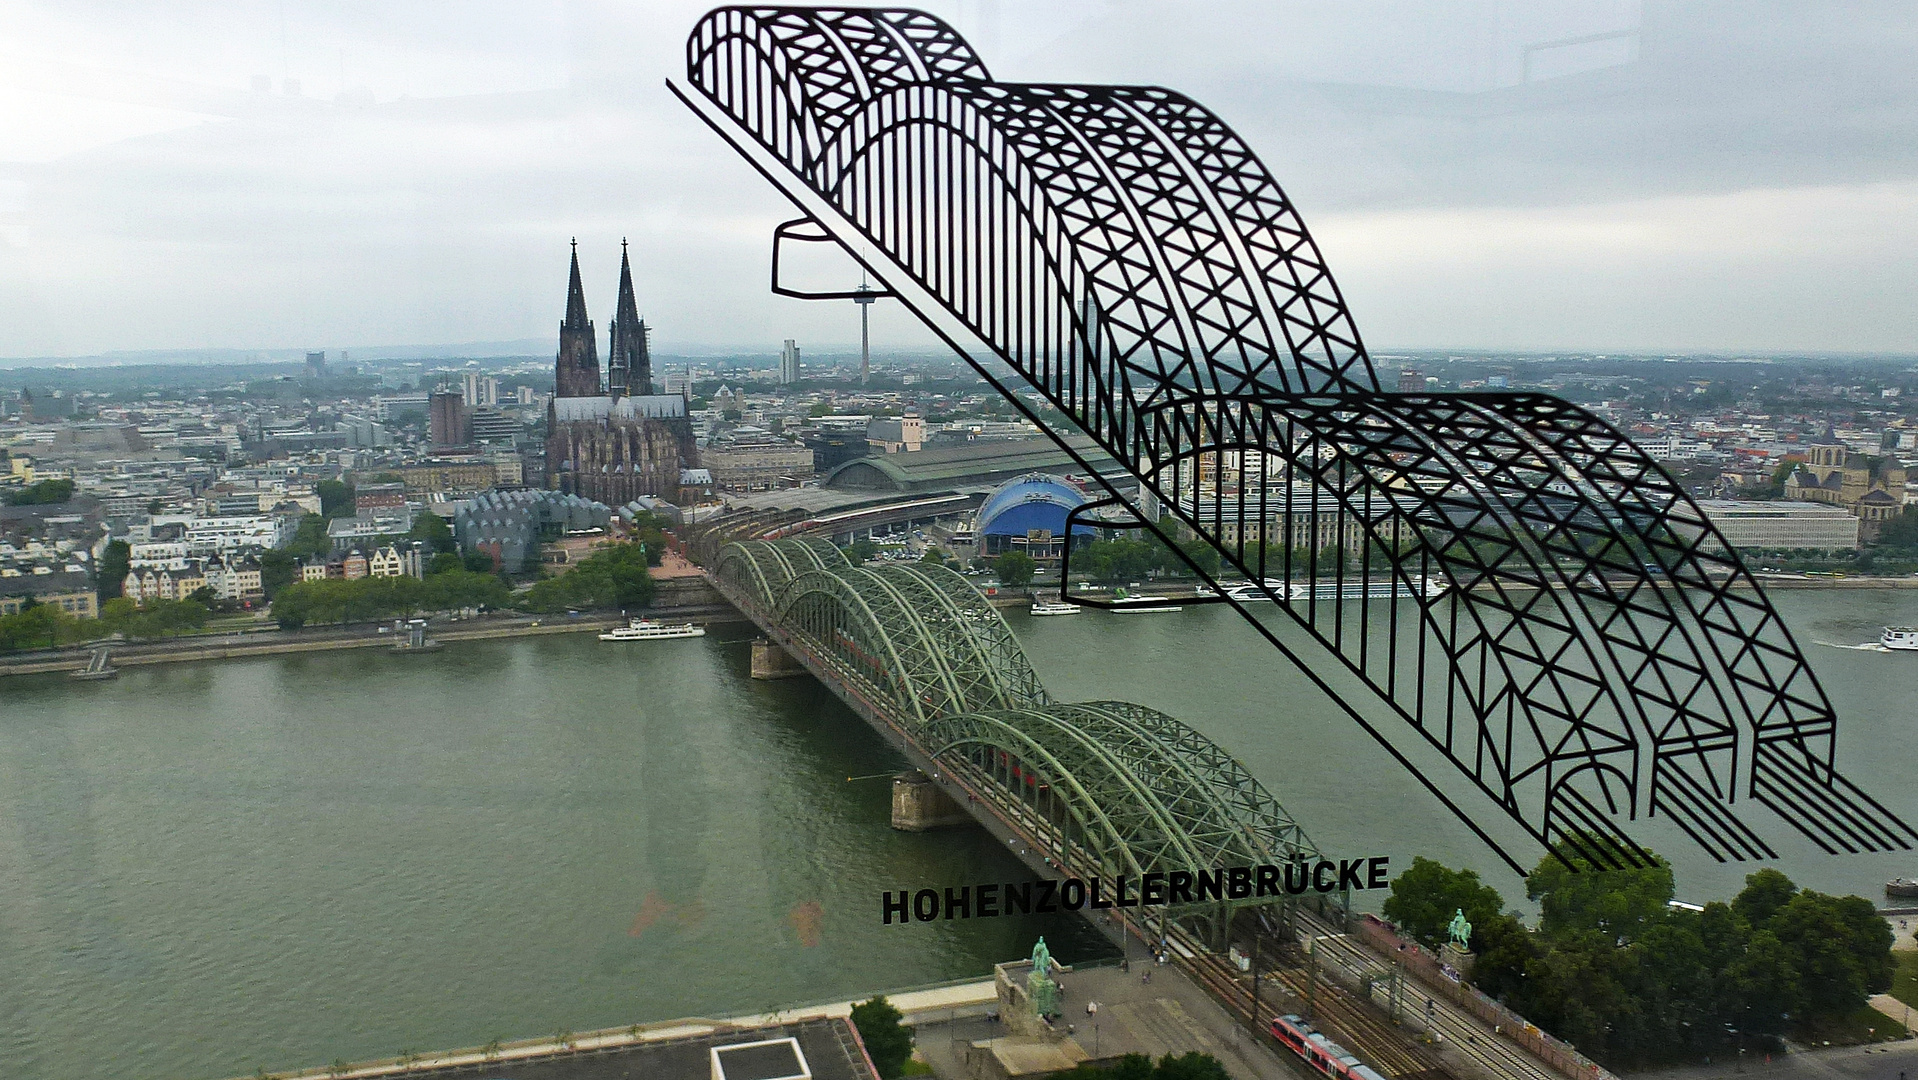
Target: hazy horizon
(1560, 176)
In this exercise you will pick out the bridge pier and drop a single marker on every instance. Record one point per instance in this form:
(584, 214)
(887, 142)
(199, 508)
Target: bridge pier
(919, 806)
(772, 662)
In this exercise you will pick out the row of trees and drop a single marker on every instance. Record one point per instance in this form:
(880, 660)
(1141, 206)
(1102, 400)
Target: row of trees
(370, 598)
(43, 493)
(1615, 970)
(1130, 560)
(43, 626)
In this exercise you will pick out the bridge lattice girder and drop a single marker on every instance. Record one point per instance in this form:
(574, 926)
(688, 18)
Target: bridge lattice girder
(763, 568)
(1112, 787)
(1129, 257)
(917, 635)
(1120, 788)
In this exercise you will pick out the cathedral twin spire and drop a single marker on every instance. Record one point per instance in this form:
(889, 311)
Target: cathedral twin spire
(629, 366)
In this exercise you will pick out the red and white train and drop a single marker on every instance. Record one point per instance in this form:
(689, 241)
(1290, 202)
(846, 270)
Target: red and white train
(1321, 1053)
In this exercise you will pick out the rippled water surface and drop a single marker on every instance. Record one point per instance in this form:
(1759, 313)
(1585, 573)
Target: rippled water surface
(207, 869)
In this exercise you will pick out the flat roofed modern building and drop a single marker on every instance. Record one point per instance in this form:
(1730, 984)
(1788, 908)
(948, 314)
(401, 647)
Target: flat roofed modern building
(1766, 524)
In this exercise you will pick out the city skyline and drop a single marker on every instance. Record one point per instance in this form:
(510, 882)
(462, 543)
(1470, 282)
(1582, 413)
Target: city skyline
(1581, 176)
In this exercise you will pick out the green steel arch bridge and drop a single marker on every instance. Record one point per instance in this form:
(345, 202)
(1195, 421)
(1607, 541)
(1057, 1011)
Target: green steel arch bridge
(1100, 789)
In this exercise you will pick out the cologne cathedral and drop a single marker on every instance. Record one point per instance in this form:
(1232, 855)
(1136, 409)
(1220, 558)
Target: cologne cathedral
(615, 440)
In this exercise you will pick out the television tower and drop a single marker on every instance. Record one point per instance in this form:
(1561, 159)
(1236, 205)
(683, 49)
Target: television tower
(864, 299)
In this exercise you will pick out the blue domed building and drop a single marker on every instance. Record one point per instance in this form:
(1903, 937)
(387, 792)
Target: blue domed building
(1028, 514)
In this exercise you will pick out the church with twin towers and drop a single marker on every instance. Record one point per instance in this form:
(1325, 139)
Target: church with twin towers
(610, 437)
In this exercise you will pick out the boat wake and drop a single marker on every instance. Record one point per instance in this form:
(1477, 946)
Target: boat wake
(1869, 646)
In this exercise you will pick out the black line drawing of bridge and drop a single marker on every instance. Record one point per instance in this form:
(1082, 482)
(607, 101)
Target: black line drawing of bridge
(1558, 619)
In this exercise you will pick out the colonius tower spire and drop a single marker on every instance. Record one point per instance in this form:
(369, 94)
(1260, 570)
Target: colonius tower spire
(576, 368)
(629, 363)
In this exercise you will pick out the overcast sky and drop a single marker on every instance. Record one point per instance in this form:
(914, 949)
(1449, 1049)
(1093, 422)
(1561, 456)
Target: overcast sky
(1546, 174)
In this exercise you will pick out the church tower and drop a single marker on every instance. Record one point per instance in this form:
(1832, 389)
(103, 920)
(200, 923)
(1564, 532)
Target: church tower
(629, 362)
(576, 368)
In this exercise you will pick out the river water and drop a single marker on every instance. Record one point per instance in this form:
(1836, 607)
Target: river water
(206, 869)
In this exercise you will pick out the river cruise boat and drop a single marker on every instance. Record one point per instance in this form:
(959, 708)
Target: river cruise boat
(1901, 638)
(1141, 605)
(1053, 607)
(1350, 589)
(649, 629)
(1903, 886)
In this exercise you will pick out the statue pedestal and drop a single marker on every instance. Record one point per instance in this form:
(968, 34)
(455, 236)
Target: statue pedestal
(1459, 960)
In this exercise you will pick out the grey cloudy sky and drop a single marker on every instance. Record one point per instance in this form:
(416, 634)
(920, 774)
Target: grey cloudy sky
(1604, 174)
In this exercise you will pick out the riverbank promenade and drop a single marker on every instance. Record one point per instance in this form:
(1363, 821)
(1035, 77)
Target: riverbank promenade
(657, 1049)
(685, 600)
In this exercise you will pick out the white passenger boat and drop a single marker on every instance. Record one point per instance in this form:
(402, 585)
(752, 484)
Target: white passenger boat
(649, 629)
(1324, 590)
(1141, 605)
(1053, 607)
(1900, 638)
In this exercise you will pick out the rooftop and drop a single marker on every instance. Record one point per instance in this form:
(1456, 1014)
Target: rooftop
(924, 470)
(831, 1053)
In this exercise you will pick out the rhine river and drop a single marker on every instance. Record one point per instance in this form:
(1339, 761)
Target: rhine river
(208, 869)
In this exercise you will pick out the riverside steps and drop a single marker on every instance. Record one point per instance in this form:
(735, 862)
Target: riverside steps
(931, 666)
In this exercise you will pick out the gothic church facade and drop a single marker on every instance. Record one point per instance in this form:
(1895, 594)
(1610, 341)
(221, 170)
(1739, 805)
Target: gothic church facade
(612, 440)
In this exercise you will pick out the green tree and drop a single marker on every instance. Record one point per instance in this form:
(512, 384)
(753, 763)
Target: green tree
(1428, 894)
(1765, 982)
(444, 561)
(1117, 560)
(278, 569)
(36, 626)
(43, 493)
(1014, 569)
(336, 498)
(933, 557)
(1764, 893)
(117, 612)
(1901, 531)
(859, 552)
(110, 573)
(1202, 554)
(614, 576)
(432, 529)
(888, 1042)
(1190, 1065)
(1582, 896)
(309, 538)
(1841, 948)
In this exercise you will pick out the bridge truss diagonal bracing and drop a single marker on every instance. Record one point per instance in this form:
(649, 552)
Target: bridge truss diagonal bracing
(916, 634)
(1104, 788)
(1504, 579)
(1120, 789)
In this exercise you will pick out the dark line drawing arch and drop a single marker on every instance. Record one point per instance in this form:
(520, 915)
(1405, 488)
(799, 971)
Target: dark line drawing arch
(1599, 655)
